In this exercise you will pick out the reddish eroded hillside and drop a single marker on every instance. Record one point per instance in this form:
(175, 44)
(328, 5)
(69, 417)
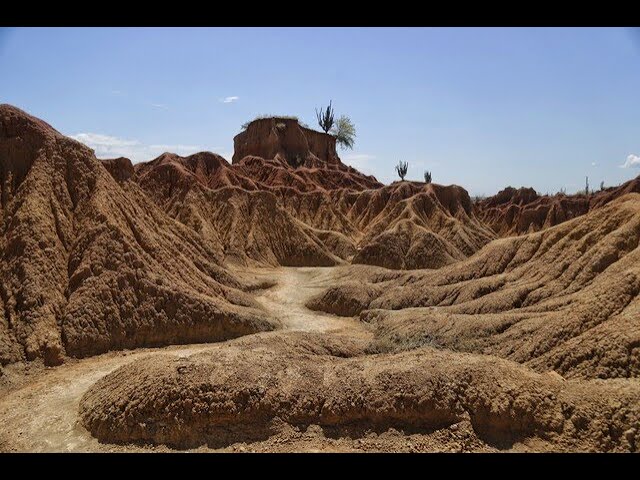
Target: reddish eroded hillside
(90, 264)
(563, 299)
(169, 172)
(404, 225)
(323, 211)
(603, 197)
(261, 211)
(265, 157)
(516, 211)
(237, 217)
(528, 342)
(415, 225)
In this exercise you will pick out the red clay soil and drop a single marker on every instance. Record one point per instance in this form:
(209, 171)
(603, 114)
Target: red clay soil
(102, 255)
(530, 340)
(89, 264)
(607, 195)
(323, 212)
(281, 152)
(563, 299)
(265, 156)
(403, 225)
(286, 142)
(120, 168)
(246, 390)
(516, 211)
(107, 255)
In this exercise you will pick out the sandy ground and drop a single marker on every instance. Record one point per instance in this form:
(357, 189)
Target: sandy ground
(39, 413)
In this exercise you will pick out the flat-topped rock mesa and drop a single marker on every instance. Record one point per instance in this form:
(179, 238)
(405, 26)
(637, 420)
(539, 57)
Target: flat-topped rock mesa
(280, 151)
(283, 139)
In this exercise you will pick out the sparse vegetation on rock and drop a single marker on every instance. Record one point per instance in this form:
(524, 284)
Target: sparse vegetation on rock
(265, 116)
(345, 132)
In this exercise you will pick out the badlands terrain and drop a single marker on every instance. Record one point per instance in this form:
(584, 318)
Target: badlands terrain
(287, 302)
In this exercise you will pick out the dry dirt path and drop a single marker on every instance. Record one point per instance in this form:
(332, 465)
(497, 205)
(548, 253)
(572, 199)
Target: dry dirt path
(42, 414)
(287, 299)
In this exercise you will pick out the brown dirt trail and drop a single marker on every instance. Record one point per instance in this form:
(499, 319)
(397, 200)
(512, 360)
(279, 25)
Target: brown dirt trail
(42, 415)
(295, 287)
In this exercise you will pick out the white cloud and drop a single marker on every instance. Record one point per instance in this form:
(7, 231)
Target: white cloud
(632, 161)
(593, 164)
(230, 99)
(107, 146)
(160, 105)
(98, 140)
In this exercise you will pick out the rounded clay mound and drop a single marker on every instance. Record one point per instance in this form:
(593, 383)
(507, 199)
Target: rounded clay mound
(236, 394)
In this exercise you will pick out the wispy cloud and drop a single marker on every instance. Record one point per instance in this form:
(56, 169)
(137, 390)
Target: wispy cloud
(107, 146)
(116, 92)
(594, 164)
(632, 161)
(229, 99)
(99, 140)
(160, 105)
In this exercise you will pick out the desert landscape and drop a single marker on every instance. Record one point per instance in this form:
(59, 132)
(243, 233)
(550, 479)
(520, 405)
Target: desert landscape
(283, 301)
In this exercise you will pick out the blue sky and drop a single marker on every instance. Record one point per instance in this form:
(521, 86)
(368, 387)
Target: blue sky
(480, 107)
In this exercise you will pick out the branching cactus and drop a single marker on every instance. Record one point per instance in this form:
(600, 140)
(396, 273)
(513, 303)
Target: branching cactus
(325, 118)
(402, 168)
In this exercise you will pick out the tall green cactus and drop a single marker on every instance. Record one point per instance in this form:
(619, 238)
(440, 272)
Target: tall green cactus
(325, 118)
(402, 168)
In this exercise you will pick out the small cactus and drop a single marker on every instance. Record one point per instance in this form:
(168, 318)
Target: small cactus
(427, 176)
(402, 168)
